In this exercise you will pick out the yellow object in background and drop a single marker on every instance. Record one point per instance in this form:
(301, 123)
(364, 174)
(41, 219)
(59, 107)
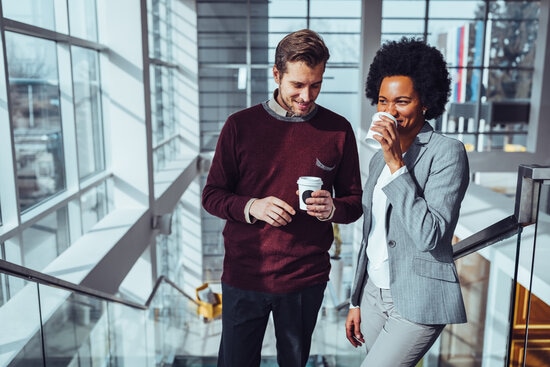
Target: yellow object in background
(209, 303)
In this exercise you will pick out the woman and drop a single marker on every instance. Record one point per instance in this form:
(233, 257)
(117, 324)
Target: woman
(406, 287)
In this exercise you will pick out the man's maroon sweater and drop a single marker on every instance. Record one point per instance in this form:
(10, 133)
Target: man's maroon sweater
(260, 154)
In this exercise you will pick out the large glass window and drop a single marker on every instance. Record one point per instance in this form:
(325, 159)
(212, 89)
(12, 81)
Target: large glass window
(94, 206)
(45, 240)
(165, 138)
(237, 44)
(83, 19)
(87, 107)
(489, 47)
(40, 243)
(173, 78)
(56, 122)
(38, 13)
(36, 118)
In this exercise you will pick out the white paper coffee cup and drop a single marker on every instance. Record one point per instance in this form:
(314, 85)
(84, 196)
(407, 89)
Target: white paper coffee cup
(306, 185)
(370, 140)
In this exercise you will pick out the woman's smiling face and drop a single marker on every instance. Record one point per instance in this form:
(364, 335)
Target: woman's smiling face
(398, 97)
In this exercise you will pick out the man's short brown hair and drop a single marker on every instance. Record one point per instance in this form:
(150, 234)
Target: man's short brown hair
(304, 45)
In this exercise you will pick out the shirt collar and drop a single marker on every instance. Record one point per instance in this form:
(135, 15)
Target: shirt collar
(276, 107)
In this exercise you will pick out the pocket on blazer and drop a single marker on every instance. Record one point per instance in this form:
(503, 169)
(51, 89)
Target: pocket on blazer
(435, 270)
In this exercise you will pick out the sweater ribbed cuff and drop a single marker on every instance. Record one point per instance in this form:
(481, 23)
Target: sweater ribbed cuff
(329, 216)
(247, 217)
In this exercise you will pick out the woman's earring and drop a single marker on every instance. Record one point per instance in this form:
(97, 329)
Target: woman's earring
(423, 111)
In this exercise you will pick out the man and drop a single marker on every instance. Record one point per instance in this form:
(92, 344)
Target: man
(276, 255)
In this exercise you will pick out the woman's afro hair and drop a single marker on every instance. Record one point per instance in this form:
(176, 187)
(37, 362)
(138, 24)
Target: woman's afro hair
(414, 58)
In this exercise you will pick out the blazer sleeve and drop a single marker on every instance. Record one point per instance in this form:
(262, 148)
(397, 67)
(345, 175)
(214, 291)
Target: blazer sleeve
(428, 197)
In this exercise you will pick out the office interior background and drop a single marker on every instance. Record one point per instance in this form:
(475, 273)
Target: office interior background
(109, 115)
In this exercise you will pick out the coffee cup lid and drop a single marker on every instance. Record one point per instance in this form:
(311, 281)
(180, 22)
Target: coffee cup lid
(309, 180)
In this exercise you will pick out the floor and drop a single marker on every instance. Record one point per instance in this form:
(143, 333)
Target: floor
(330, 347)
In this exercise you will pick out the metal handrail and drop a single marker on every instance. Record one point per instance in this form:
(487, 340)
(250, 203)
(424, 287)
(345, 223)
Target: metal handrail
(497, 232)
(41, 278)
(530, 179)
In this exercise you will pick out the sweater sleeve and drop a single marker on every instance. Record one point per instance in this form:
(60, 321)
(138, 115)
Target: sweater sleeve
(347, 186)
(218, 196)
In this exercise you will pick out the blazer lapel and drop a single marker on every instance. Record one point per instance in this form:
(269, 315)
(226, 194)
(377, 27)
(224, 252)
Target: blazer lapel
(418, 147)
(416, 150)
(375, 168)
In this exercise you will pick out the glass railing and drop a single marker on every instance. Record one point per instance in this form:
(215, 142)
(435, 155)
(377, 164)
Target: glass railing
(506, 287)
(49, 322)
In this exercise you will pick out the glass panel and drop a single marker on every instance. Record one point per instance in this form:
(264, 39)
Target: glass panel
(38, 13)
(260, 49)
(530, 345)
(169, 313)
(221, 9)
(512, 43)
(462, 9)
(344, 48)
(43, 241)
(219, 98)
(531, 324)
(35, 110)
(83, 19)
(460, 42)
(334, 9)
(222, 48)
(94, 206)
(20, 339)
(88, 117)
(166, 153)
(403, 9)
(465, 84)
(279, 28)
(162, 92)
(209, 140)
(160, 30)
(226, 26)
(222, 32)
(336, 93)
(262, 84)
(72, 324)
(396, 28)
(98, 342)
(517, 10)
(219, 93)
(486, 287)
(288, 8)
(496, 125)
(62, 319)
(131, 336)
(336, 28)
(509, 84)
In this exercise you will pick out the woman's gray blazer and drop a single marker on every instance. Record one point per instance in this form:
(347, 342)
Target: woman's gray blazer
(422, 212)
